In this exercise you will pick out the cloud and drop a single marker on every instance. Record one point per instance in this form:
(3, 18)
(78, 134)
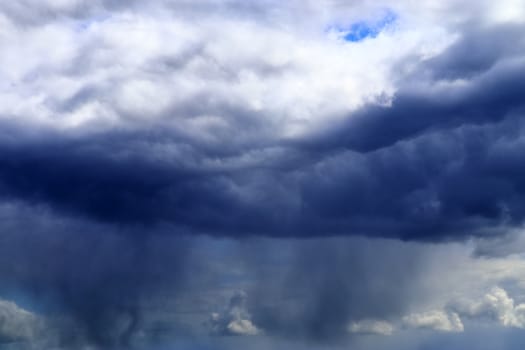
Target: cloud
(94, 283)
(235, 320)
(496, 305)
(315, 289)
(17, 324)
(435, 320)
(371, 327)
(177, 162)
(140, 139)
(282, 138)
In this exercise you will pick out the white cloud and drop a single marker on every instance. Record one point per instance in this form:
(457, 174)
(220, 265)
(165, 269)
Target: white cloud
(235, 319)
(371, 327)
(435, 320)
(154, 66)
(16, 324)
(242, 327)
(506, 11)
(497, 305)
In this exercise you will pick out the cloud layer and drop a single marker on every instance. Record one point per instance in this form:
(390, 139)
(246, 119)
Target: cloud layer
(332, 160)
(286, 137)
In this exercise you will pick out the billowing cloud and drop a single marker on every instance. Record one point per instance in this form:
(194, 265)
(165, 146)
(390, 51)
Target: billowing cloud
(496, 305)
(289, 132)
(17, 324)
(94, 282)
(319, 155)
(435, 320)
(235, 320)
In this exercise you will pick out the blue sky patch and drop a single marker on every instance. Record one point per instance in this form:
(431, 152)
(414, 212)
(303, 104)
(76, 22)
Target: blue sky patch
(362, 30)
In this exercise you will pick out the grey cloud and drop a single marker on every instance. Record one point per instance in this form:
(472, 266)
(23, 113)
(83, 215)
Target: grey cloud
(322, 286)
(94, 283)
(416, 111)
(421, 189)
(17, 324)
(435, 320)
(471, 55)
(235, 319)
(111, 211)
(496, 305)
(411, 170)
(371, 327)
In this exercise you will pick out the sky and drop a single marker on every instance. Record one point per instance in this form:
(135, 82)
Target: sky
(262, 174)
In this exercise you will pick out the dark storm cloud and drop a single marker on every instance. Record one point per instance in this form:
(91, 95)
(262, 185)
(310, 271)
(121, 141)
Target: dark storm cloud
(441, 161)
(427, 106)
(477, 51)
(440, 184)
(324, 285)
(106, 288)
(96, 223)
(99, 179)
(92, 284)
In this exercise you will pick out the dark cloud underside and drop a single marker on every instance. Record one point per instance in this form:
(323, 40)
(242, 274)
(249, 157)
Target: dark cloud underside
(160, 158)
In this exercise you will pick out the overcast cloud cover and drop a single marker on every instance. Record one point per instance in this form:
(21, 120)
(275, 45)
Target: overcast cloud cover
(227, 174)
